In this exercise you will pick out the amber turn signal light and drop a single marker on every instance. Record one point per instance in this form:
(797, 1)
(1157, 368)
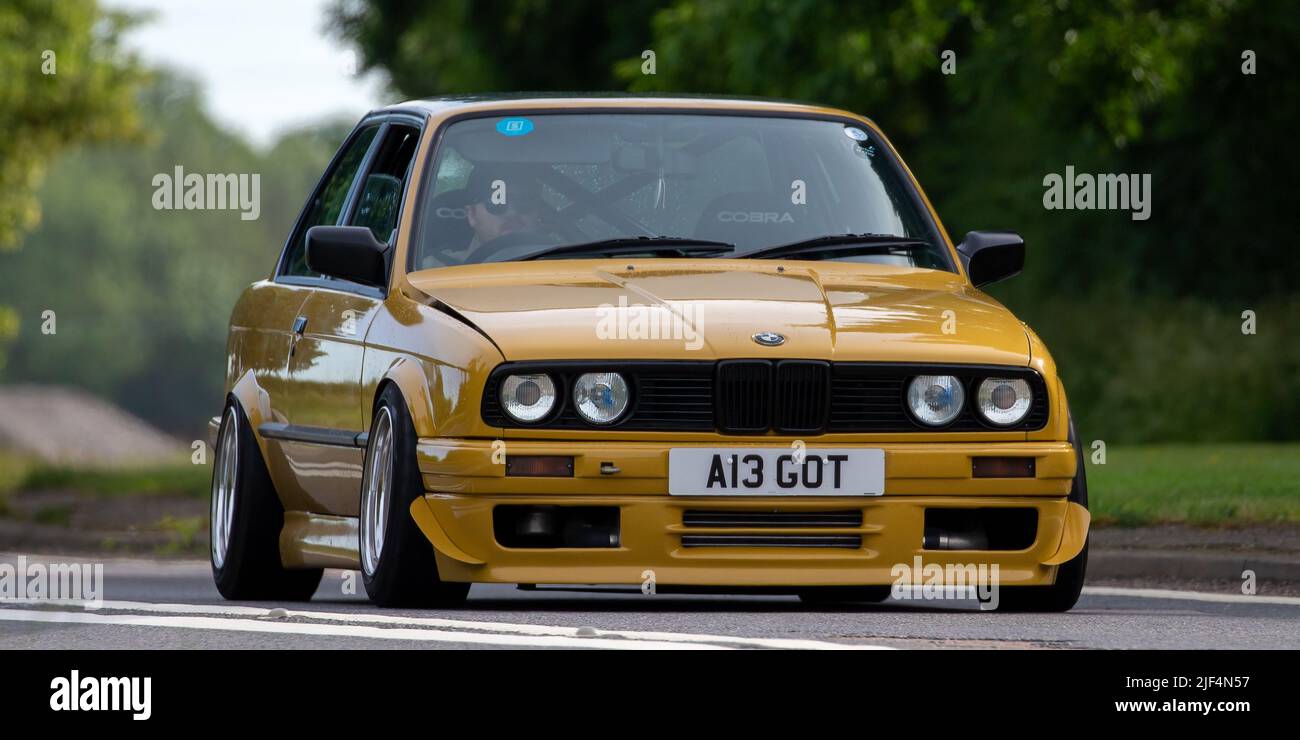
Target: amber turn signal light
(540, 466)
(1002, 467)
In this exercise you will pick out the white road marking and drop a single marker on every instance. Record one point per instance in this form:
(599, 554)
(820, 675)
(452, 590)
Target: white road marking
(455, 626)
(1158, 593)
(339, 630)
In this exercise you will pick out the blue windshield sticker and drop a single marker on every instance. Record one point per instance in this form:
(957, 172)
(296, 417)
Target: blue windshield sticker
(514, 126)
(854, 133)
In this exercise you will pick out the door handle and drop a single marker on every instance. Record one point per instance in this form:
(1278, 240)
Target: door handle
(299, 326)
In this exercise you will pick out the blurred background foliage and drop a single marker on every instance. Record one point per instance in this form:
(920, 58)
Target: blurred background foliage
(1144, 317)
(50, 100)
(92, 101)
(142, 297)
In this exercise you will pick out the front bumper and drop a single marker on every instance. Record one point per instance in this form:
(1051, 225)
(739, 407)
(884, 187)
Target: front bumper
(465, 480)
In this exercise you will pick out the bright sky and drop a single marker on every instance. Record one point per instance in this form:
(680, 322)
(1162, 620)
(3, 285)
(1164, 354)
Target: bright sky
(264, 64)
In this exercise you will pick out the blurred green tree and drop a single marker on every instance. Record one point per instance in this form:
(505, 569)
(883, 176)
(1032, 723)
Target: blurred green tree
(64, 79)
(467, 46)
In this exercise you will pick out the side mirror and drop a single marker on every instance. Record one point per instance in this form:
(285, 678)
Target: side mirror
(348, 253)
(990, 256)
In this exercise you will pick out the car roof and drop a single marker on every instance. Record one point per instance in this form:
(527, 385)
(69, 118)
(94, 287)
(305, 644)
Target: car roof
(451, 103)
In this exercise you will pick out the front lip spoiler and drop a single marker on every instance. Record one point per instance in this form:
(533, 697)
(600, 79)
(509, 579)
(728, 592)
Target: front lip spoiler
(1074, 535)
(428, 524)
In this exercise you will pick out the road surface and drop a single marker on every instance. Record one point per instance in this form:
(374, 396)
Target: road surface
(173, 604)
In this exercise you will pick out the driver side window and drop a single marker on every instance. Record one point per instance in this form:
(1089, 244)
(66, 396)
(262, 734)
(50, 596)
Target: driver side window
(380, 198)
(327, 206)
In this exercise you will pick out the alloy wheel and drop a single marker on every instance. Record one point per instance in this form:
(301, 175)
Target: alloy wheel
(225, 479)
(376, 490)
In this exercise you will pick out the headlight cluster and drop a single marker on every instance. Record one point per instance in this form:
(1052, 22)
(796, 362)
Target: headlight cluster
(1003, 401)
(599, 398)
(937, 400)
(528, 398)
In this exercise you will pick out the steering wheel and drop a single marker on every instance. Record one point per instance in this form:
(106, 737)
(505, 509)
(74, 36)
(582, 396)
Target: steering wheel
(444, 255)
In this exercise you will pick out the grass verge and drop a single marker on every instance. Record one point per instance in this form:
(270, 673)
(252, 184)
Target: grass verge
(1207, 485)
(179, 478)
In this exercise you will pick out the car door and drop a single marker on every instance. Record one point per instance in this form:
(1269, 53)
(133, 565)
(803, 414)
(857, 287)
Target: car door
(325, 408)
(288, 293)
(260, 338)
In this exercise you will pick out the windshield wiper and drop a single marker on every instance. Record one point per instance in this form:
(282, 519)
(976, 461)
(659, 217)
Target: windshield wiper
(662, 246)
(834, 244)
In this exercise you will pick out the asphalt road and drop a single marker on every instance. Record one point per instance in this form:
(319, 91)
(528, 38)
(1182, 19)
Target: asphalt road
(169, 604)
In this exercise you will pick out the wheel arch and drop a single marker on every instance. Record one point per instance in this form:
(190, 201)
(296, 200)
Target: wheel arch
(412, 384)
(255, 403)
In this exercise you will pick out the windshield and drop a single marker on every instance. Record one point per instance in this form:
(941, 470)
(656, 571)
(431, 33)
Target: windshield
(514, 187)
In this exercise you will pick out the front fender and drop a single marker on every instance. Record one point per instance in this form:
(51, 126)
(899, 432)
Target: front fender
(411, 379)
(439, 364)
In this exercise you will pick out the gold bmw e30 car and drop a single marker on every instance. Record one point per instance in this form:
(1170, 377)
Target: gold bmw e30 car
(712, 343)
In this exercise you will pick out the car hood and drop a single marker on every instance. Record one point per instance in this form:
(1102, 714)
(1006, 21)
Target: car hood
(711, 309)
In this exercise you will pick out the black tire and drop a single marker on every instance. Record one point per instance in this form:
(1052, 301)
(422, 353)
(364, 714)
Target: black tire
(406, 572)
(1063, 594)
(250, 568)
(845, 594)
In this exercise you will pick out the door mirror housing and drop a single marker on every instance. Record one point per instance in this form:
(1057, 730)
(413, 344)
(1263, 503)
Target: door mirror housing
(348, 253)
(990, 256)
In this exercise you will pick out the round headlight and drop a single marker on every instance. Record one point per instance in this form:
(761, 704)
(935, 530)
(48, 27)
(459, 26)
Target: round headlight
(1003, 401)
(528, 398)
(935, 400)
(600, 397)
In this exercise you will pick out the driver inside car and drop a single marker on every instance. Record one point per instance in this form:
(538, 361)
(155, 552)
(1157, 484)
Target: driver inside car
(503, 207)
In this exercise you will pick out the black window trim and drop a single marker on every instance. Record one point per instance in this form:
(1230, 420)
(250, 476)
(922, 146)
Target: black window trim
(384, 120)
(439, 136)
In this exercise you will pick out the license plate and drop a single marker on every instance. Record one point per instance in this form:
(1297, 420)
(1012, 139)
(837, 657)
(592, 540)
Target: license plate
(775, 471)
